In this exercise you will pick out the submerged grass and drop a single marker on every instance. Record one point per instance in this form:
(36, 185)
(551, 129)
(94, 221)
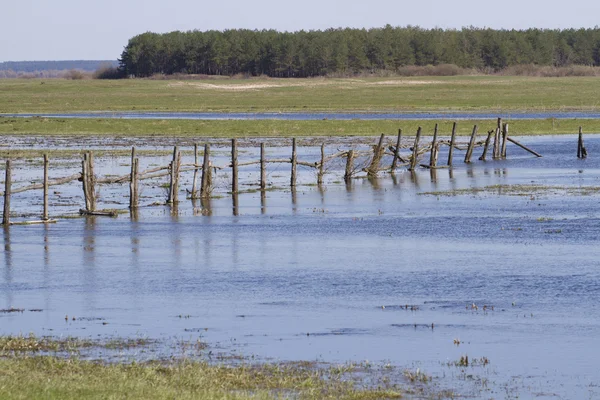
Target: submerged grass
(274, 128)
(520, 190)
(31, 344)
(50, 377)
(42, 367)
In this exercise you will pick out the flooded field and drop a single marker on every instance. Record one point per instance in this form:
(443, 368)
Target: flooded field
(496, 261)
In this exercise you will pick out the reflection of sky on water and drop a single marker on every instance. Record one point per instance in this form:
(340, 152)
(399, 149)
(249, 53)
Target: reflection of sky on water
(263, 270)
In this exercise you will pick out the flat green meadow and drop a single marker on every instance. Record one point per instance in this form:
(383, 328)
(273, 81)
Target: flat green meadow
(396, 94)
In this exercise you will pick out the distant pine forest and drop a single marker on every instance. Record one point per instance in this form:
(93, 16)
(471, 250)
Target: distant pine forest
(345, 52)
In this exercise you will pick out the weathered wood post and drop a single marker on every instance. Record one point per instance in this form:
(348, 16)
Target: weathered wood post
(471, 145)
(321, 165)
(452, 140)
(377, 154)
(496, 152)
(234, 166)
(92, 180)
(88, 181)
(432, 154)
(486, 146)
(579, 139)
(523, 147)
(294, 163)
(581, 150)
(45, 212)
(205, 184)
(132, 179)
(415, 153)
(263, 171)
(174, 178)
(397, 152)
(136, 187)
(195, 181)
(7, 192)
(504, 135)
(349, 166)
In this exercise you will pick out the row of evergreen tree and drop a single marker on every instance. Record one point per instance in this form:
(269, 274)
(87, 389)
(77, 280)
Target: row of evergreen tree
(349, 51)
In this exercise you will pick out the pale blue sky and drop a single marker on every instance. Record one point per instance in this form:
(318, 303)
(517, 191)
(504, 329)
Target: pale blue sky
(82, 29)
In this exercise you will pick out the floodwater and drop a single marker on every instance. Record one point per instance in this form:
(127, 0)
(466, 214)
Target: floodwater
(311, 116)
(324, 273)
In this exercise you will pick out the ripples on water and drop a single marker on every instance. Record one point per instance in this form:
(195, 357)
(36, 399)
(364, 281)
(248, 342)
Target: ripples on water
(324, 261)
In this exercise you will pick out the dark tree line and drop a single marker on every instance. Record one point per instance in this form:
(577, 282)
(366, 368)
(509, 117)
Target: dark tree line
(349, 51)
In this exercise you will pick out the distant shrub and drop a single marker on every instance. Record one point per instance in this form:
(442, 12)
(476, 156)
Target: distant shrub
(549, 71)
(108, 72)
(74, 74)
(434, 70)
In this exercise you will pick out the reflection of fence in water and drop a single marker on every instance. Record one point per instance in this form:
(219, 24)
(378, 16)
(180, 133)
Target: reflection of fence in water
(382, 157)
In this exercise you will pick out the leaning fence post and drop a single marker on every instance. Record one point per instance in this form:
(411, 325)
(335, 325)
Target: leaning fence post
(45, 213)
(377, 154)
(452, 139)
(234, 166)
(397, 152)
(195, 182)
(7, 191)
(415, 154)
(294, 163)
(471, 145)
(486, 146)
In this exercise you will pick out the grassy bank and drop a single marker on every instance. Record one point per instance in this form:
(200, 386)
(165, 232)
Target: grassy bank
(54, 378)
(273, 128)
(50, 368)
(466, 93)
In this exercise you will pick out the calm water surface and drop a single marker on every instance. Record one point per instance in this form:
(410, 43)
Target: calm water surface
(304, 274)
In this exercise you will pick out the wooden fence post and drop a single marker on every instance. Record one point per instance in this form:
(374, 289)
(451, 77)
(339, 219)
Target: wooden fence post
(471, 145)
(432, 154)
(349, 166)
(132, 179)
(496, 152)
(377, 154)
(45, 212)
(206, 178)
(195, 182)
(294, 163)
(321, 165)
(234, 166)
(397, 152)
(486, 146)
(581, 150)
(7, 192)
(504, 135)
(136, 187)
(263, 172)
(415, 154)
(452, 140)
